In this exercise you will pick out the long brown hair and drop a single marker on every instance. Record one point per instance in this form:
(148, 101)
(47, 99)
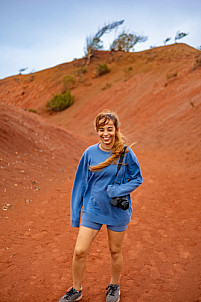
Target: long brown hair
(106, 116)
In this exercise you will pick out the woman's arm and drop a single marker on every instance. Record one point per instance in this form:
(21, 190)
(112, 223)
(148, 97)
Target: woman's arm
(133, 178)
(79, 188)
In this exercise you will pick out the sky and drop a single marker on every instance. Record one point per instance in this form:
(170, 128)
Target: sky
(39, 34)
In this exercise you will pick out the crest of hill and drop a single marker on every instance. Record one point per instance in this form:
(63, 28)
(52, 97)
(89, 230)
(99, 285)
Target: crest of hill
(34, 90)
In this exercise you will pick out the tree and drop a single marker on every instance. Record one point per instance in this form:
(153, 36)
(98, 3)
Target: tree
(127, 41)
(95, 43)
(180, 35)
(22, 70)
(166, 40)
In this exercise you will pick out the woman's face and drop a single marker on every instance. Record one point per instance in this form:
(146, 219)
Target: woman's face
(107, 134)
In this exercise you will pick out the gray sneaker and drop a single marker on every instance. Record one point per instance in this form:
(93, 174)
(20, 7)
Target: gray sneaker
(72, 295)
(113, 293)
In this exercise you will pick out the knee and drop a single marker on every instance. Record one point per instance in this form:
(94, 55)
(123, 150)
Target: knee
(115, 253)
(79, 253)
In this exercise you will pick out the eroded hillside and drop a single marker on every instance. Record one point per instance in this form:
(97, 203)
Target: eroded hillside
(156, 92)
(157, 95)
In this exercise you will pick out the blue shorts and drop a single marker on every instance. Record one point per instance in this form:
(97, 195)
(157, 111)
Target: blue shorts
(97, 226)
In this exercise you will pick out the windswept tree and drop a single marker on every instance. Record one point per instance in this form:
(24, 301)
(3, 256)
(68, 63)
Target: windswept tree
(22, 70)
(95, 43)
(127, 41)
(166, 40)
(180, 35)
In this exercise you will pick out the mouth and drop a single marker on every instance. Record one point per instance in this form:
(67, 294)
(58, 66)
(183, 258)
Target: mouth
(106, 139)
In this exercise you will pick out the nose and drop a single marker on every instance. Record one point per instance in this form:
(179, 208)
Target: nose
(105, 132)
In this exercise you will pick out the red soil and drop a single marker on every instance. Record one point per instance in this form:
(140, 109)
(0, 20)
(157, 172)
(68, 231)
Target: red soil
(158, 101)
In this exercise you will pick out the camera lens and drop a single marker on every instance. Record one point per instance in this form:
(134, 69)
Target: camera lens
(124, 205)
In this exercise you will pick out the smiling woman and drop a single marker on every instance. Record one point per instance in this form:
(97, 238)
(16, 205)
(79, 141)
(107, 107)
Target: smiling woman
(107, 127)
(107, 135)
(95, 185)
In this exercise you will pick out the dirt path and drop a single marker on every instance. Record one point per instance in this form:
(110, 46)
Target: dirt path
(161, 248)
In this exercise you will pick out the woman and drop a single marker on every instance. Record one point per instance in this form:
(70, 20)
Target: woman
(92, 191)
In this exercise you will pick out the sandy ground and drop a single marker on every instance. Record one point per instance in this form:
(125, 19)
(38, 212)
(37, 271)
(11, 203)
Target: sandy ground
(38, 160)
(162, 244)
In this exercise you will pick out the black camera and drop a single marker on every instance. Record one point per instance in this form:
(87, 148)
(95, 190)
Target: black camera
(120, 202)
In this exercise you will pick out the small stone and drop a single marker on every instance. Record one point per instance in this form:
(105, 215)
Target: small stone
(6, 206)
(28, 200)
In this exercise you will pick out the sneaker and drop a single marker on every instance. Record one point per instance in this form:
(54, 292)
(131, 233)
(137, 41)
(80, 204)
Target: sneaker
(72, 295)
(113, 293)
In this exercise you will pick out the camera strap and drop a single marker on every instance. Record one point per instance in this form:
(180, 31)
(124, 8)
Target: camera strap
(120, 162)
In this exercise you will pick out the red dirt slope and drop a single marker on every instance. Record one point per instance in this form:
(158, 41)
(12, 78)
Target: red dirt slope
(158, 101)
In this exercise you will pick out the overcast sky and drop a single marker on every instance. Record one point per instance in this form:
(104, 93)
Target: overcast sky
(39, 34)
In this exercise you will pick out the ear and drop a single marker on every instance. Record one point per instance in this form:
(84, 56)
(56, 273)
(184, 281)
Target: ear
(117, 129)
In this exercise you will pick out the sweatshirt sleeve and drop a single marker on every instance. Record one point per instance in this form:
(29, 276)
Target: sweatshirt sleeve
(133, 178)
(79, 188)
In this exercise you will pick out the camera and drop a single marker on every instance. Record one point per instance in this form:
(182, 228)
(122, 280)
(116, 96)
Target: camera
(120, 202)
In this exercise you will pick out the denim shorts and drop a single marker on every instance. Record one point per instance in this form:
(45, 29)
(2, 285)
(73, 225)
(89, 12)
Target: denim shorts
(97, 226)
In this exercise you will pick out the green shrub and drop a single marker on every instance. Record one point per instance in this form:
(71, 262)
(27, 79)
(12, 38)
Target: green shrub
(107, 85)
(32, 110)
(102, 69)
(60, 102)
(128, 69)
(172, 75)
(68, 83)
(197, 62)
(81, 71)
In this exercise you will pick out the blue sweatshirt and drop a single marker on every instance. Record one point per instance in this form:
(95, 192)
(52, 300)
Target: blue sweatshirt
(92, 191)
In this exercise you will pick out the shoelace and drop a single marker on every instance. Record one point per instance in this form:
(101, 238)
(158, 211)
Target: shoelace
(111, 289)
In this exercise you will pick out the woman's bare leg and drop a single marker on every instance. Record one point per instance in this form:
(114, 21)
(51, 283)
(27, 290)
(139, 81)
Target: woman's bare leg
(115, 244)
(84, 240)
